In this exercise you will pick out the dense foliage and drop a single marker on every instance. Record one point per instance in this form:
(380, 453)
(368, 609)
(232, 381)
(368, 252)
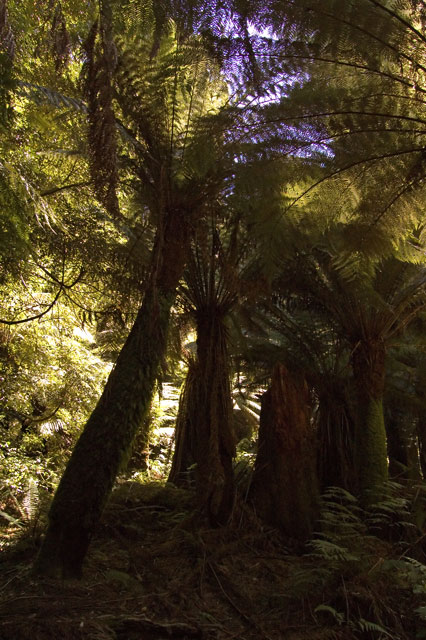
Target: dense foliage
(225, 200)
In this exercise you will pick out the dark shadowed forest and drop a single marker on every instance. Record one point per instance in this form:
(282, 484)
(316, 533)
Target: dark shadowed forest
(212, 319)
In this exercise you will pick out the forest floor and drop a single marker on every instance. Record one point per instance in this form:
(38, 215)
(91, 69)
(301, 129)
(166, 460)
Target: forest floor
(154, 573)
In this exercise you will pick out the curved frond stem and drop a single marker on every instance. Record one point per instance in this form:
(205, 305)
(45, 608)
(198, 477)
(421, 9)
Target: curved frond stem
(190, 107)
(382, 42)
(396, 327)
(323, 140)
(400, 19)
(397, 96)
(351, 165)
(51, 192)
(352, 65)
(349, 112)
(407, 187)
(38, 315)
(174, 102)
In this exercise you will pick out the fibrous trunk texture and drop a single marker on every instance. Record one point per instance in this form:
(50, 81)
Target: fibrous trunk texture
(107, 437)
(336, 464)
(214, 439)
(204, 431)
(182, 470)
(284, 489)
(368, 362)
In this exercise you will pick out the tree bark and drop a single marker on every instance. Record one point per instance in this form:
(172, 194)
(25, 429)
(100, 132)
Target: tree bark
(284, 489)
(204, 433)
(181, 472)
(368, 363)
(107, 437)
(336, 464)
(214, 438)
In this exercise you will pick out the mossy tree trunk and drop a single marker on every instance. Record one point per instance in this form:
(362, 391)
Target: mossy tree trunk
(204, 434)
(368, 363)
(284, 489)
(107, 437)
(139, 459)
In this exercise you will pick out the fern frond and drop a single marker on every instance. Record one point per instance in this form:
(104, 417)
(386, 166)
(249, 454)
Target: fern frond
(331, 552)
(45, 95)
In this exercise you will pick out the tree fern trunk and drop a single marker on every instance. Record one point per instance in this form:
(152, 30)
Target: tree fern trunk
(204, 433)
(181, 473)
(107, 437)
(214, 439)
(284, 490)
(368, 362)
(336, 464)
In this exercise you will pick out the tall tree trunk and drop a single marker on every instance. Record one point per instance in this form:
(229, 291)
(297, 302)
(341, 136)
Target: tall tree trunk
(336, 464)
(139, 459)
(284, 489)
(204, 432)
(214, 438)
(107, 437)
(181, 472)
(368, 362)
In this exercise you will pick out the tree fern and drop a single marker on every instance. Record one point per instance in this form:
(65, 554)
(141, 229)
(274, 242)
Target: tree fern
(375, 100)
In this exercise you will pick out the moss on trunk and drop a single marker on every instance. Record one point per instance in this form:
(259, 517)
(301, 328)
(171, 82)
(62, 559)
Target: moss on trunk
(284, 490)
(368, 364)
(371, 449)
(107, 437)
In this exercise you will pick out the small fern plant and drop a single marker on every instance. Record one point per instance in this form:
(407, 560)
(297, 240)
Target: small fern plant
(363, 573)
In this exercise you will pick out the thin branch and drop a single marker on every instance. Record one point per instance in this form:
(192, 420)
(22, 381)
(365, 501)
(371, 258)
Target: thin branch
(396, 16)
(374, 37)
(50, 192)
(39, 315)
(353, 65)
(174, 103)
(349, 112)
(350, 166)
(395, 198)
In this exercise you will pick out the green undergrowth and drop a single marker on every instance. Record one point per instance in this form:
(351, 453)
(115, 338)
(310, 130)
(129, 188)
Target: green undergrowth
(156, 571)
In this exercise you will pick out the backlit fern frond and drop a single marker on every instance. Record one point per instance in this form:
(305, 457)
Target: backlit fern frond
(24, 207)
(369, 124)
(100, 64)
(45, 95)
